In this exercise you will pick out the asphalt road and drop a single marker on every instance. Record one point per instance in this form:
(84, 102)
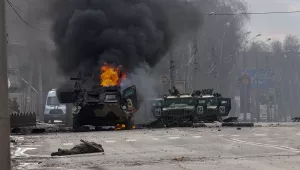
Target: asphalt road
(275, 148)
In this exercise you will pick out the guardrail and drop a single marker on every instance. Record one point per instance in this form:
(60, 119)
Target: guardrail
(22, 119)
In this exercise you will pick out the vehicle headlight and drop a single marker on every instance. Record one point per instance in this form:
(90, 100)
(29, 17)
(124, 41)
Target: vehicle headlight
(124, 107)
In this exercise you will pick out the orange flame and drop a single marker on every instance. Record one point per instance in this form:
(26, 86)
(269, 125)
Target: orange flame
(111, 76)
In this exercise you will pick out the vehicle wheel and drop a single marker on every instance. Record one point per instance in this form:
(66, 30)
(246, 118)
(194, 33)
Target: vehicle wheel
(129, 123)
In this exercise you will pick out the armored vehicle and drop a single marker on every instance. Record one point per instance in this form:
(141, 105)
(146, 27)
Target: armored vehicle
(185, 109)
(211, 106)
(101, 106)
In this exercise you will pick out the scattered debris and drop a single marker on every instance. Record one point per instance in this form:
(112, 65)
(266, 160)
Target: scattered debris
(179, 159)
(219, 129)
(296, 119)
(14, 141)
(120, 127)
(15, 130)
(156, 124)
(237, 124)
(199, 125)
(238, 128)
(83, 148)
(38, 130)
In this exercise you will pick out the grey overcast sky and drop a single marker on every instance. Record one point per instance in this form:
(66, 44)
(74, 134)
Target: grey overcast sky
(275, 26)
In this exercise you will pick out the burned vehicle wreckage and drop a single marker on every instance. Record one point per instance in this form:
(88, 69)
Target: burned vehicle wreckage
(100, 105)
(202, 106)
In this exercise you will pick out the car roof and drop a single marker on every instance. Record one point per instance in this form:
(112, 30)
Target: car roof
(52, 93)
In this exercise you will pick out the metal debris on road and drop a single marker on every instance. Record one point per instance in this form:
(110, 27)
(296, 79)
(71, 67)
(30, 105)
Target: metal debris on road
(83, 148)
(296, 119)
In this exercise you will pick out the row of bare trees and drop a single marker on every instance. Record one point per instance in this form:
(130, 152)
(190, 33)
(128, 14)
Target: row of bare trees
(283, 57)
(222, 48)
(209, 61)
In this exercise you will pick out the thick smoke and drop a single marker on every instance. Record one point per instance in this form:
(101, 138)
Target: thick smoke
(145, 83)
(130, 33)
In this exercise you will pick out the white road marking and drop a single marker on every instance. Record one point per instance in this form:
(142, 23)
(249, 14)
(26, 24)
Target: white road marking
(68, 144)
(286, 148)
(298, 134)
(174, 137)
(110, 141)
(21, 152)
(197, 136)
(34, 136)
(30, 145)
(235, 135)
(259, 134)
(155, 139)
(18, 138)
(130, 140)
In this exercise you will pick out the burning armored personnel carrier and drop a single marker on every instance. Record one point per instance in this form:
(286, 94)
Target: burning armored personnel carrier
(186, 109)
(103, 104)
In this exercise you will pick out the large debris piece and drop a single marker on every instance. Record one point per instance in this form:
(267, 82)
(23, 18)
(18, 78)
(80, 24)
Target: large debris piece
(18, 120)
(296, 119)
(83, 148)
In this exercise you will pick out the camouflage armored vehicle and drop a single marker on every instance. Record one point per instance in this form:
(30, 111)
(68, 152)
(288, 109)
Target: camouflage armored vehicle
(186, 109)
(101, 106)
(210, 107)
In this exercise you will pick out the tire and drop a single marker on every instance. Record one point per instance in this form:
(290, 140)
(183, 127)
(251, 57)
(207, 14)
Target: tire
(129, 123)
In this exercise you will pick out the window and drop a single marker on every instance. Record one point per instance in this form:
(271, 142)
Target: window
(128, 92)
(213, 102)
(224, 101)
(201, 101)
(52, 101)
(187, 101)
(110, 97)
(157, 103)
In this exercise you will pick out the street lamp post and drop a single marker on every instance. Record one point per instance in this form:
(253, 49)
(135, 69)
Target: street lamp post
(257, 88)
(221, 53)
(244, 59)
(268, 100)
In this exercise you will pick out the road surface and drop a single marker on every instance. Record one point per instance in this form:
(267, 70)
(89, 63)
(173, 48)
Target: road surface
(274, 148)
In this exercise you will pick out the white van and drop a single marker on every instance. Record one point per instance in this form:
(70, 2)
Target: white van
(54, 110)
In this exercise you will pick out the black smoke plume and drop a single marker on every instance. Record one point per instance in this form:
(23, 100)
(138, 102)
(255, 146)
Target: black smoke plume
(88, 33)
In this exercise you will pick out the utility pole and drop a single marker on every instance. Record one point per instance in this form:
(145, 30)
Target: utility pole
(268, 91)
(40, 94)
(195, 52)
(4, 116)
(257, 90)
(172, 68)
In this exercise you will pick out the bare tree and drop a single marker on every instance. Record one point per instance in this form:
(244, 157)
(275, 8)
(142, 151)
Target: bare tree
(291, 43)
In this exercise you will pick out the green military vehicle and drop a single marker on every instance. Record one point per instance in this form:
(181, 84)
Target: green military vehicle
(101, 106)
(187, 109)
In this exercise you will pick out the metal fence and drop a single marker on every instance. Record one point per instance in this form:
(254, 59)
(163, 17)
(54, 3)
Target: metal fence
(22, 119)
